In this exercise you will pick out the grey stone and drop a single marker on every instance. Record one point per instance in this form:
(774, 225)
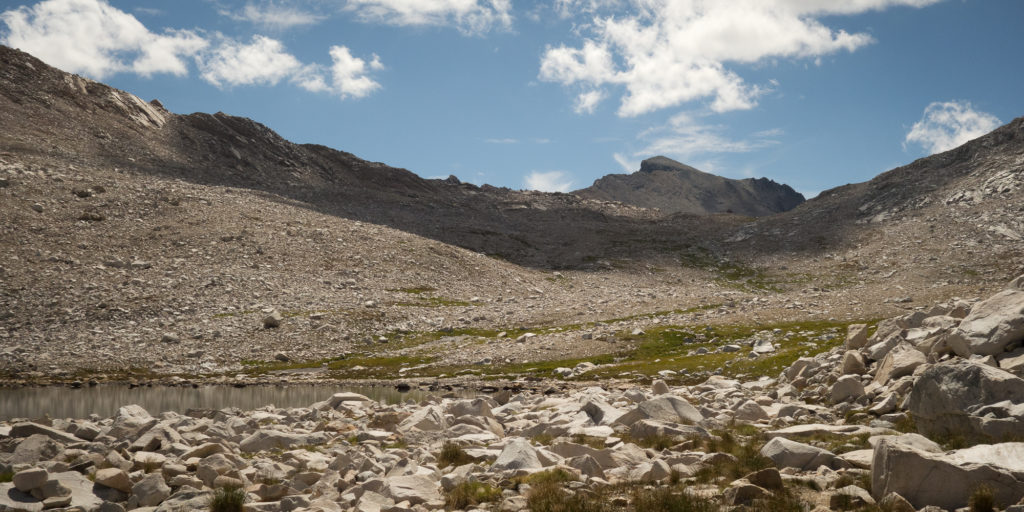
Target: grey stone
(28, 479)
(846, 388)
(517, 454)
(272, 319)
(991, 326)
(114, 478)
(856, 336)
(902, 360)
(949, 400)
(415, 489)
(151, 490)
(791, 454)
(946, 479)
(663, 408)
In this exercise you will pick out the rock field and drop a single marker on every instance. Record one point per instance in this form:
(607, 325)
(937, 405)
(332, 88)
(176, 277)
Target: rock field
(924, 411)
(862, 351)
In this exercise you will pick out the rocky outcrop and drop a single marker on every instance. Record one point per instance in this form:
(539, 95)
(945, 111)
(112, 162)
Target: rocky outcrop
(673, 187)
(994, 326)
(921, 472)
(964, 398)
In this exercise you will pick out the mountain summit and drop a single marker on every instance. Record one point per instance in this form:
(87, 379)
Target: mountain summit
(674, 187)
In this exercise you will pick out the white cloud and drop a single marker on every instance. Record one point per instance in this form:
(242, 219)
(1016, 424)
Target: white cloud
(627, 164)
(469, 16)
(684, 138)
(95, 39)
(263, 61)
(554, 181)
(350, 75)
(946, 125)
(275, 16)
(669, 52)
(587, 102)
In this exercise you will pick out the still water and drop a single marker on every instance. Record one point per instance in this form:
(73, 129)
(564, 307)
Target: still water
(104, 400)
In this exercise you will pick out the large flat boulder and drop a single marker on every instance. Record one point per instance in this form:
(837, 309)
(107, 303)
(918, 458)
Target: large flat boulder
(928, 476)
(517, 454)
(992, 326)
(265, 439)
(81, 494)
(791, 454)
(962, 398)
(415, 489)
(902, 360)
(668, 408)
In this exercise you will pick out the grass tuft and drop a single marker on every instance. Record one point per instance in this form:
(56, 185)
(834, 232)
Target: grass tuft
(227, 499)
(549, 496)
(468, 494)
(452, 454)
(983, 499)
(667, 499)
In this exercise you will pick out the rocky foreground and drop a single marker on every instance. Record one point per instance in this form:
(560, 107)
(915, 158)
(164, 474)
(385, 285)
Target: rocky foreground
(922, 412)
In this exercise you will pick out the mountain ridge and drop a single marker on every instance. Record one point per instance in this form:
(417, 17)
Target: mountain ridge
(674, 187)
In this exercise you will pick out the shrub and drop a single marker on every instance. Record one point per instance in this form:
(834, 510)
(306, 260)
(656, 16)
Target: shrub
(664, 499)
(452, 455)
(227, 499)
(469, 494)
(983, 499)
(548, 496)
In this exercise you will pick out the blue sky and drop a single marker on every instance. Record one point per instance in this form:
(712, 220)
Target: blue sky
(553, 94)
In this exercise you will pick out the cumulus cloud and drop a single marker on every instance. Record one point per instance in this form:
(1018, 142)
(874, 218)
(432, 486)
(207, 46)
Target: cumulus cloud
(274, 16)
(946, 125)
(627, 164)
(553, 181)
(684, 138)
(665, 53)
(262, 61)
(587, 102)
(469, 16)
(92, 38)
(350, 75)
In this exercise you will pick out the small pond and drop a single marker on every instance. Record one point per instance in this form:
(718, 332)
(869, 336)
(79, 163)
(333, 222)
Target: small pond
(105, 399)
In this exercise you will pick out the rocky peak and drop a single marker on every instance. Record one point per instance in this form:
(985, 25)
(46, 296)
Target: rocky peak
(674, 187)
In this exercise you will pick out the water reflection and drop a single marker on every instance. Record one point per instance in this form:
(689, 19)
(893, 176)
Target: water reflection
(104, 400)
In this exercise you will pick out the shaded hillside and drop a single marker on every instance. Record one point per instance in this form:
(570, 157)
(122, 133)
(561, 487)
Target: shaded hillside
(673, 187)
(49, 114)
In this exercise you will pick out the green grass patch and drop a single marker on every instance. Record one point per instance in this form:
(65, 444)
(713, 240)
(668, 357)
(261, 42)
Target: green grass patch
(6, 476)
(416, 290)
(469, 494)
(670, 499)
(666, 348)
(434, 302)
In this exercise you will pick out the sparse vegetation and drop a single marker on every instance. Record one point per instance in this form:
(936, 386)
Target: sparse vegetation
(469, 494)
(227, 499)
(983, 499)
(6, 476)
(549, 496)
(671, 499)
(452, 454)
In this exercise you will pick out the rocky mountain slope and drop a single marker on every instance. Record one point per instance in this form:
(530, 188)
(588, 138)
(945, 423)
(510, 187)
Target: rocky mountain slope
(673, 187)
(138, 242)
